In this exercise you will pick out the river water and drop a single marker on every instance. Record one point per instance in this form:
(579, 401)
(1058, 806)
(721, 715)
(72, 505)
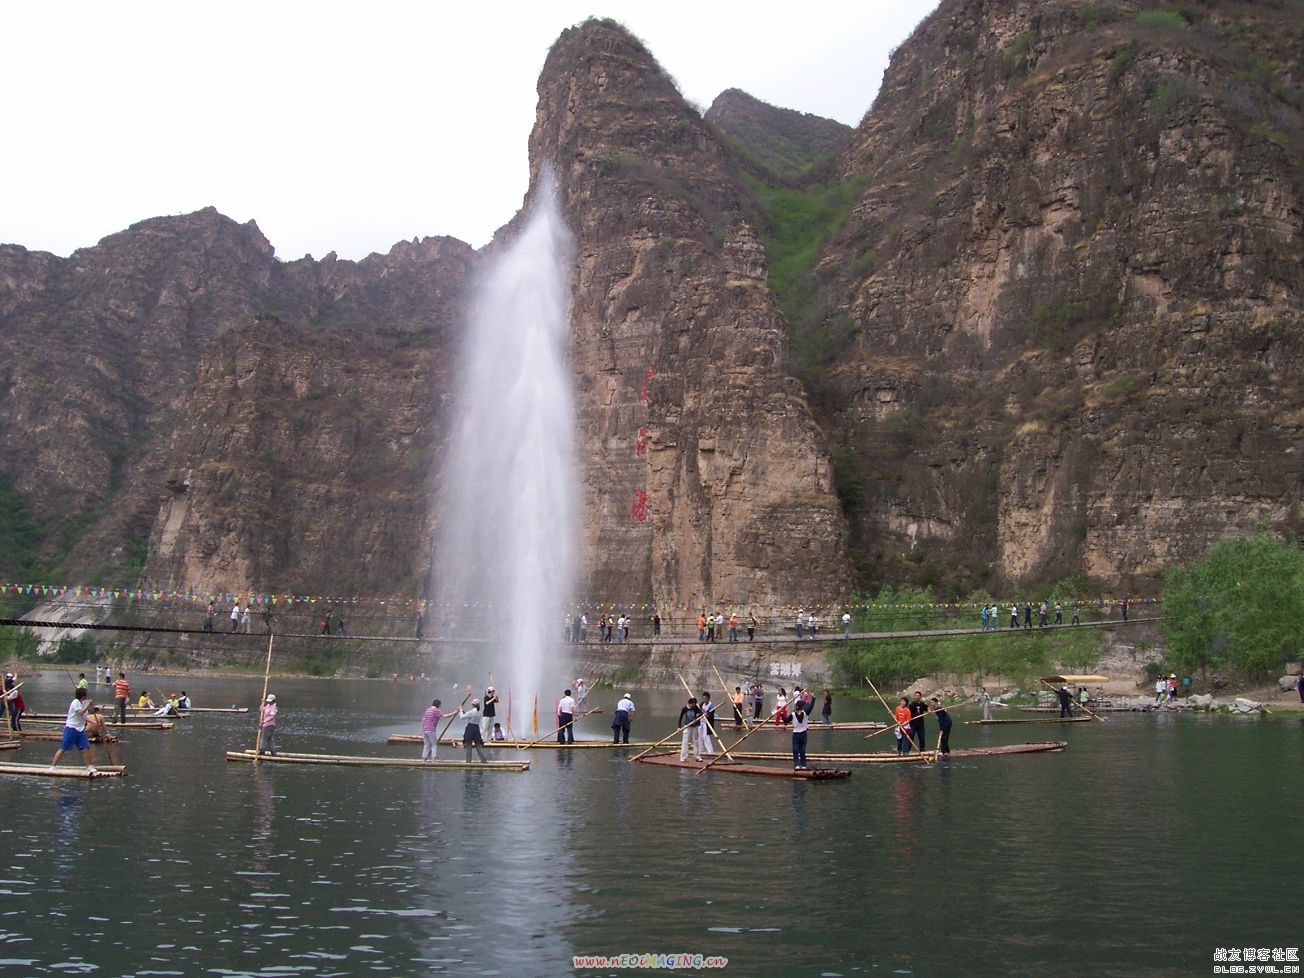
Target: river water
(1147, 845)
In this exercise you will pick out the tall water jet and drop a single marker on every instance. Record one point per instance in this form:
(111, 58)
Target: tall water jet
(506, 541)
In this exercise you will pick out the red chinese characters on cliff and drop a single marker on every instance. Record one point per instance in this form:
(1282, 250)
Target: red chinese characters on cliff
(638, 511)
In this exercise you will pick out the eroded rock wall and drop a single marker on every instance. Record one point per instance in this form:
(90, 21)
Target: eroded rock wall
(706, 481)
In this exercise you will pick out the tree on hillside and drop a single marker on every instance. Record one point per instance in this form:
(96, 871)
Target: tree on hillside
(1241, 606)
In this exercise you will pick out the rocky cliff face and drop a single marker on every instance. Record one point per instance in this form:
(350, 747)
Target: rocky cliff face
(1072, 289)
(139, 370)
(706, 480)
(1059, 333)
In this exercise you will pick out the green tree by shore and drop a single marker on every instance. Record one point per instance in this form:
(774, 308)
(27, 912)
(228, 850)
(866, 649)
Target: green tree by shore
(1240, 607)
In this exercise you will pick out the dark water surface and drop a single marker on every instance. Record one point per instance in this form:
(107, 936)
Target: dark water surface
(1138, 851)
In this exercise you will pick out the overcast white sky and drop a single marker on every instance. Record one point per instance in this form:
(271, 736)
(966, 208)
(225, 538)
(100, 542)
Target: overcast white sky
(348, 127)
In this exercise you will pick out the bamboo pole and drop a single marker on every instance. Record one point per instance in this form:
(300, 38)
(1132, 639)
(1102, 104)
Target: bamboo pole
(760, 726)
(455, 714)
(890, 714)
(510, 732)
(891, 717)
(267, 678)
(677, 731)
(724, 687)
(710, 727)
(926, 713)
(1094, 716)
(559, 727)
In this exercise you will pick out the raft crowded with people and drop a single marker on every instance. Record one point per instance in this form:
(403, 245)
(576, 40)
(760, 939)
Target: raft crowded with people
(703, 739)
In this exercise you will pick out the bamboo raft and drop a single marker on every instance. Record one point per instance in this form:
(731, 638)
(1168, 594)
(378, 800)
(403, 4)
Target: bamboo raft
(1092, 706)
(340, 760)
(523, 744)
(729, 767)
(45, 771)
(57, 735)
(1037, 720)
(723, 723)
(892, 757)
(12, 744)
(133, 724)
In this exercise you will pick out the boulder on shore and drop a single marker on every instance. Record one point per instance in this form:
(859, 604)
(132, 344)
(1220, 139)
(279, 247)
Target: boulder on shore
(1288, 683)
(1247, 706)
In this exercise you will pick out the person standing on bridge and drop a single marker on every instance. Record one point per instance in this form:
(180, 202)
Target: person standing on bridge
(1014, 615)
(846, 624)
(235, 617)
(751, 626)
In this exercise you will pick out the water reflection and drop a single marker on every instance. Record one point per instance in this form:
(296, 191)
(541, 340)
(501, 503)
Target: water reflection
(70, 810)
(193, 865)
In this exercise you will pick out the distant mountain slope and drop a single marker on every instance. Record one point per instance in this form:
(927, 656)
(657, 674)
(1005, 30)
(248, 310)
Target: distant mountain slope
(101, 350)
(783, 143)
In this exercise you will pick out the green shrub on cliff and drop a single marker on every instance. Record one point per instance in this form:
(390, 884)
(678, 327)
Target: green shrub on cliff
(1240, 607)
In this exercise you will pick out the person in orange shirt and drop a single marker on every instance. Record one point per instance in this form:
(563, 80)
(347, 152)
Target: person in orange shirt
(902, 715)
(121, 693)
(701, 628)
(738, 706)
(733, 627)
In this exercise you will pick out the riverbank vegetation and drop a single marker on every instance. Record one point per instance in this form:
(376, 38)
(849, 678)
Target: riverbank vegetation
(1239, 608)
(887, 662)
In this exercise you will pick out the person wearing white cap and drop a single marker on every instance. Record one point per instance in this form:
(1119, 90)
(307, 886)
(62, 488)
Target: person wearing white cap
(620, 725)
(489, 712)
(471, 735)
(267, 744)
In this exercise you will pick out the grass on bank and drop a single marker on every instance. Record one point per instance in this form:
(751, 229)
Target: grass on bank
(1021, 660)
